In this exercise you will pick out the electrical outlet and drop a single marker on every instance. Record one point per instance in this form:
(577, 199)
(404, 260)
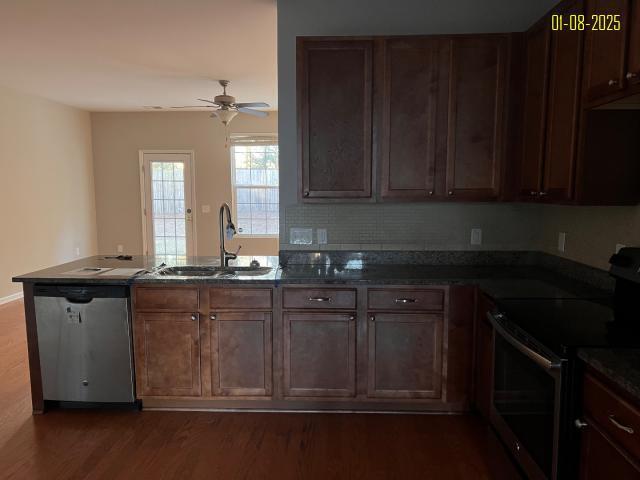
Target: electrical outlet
(562, 241)
(476, 236)
(120, 248)
(322, 236)
(77, 251)
(620, 246)
(301, 236)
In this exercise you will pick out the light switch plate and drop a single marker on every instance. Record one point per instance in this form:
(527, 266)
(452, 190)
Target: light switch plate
(120, 248)
(562, 241)
(476, 236)
(206, 208)
(322, 236)
(77, 251)
(619, 246)
(301, 236)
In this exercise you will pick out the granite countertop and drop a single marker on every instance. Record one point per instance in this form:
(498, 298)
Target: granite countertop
(621, 366)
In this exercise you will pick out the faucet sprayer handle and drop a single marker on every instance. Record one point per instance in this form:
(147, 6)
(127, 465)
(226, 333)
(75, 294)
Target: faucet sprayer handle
(235, 254)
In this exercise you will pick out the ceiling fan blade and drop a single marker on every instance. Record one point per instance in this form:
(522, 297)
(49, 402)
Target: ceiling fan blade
(255, 113)
(253, 104)
(195, 106)
(209, 101)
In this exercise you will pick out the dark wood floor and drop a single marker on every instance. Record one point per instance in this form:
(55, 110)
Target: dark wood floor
(220, 446)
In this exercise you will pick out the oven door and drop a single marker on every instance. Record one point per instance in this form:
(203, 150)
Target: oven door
(527, 392)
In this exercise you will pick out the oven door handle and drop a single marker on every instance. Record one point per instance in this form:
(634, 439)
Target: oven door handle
(528, 352)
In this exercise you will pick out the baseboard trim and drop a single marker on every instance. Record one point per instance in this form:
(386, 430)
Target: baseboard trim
(11, 298)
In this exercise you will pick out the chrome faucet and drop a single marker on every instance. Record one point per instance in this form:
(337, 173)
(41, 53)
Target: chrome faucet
(224, 255)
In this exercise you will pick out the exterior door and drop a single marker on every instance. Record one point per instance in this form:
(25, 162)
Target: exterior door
(167, 204)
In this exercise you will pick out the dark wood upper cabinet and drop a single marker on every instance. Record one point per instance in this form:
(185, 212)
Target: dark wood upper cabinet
(409, 107)
(563, 111)
(335, 89)
(474, 140)
(536, 55)
(405, 355)
(241, 353)
(633, 53)
(319, 354)
(168, 354)
(605, 51)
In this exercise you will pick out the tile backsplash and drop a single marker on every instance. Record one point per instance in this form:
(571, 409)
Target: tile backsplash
(413, 226)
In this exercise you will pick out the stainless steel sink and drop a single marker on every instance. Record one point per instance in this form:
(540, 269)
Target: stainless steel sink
(210, 271)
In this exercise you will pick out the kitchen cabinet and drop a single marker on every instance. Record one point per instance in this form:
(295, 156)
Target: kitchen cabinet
(167, 354)
(483, 357)
(605, 51)
(335, 89)
(319, 354)
(241, 353)
(405, 355)
(609, 445)
(475, 108)
(537, 45)
(633, 55)
(409, 133)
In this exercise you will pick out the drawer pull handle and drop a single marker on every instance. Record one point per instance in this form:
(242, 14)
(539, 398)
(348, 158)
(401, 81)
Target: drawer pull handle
(406, 300)
(613, 420)
(320, 299)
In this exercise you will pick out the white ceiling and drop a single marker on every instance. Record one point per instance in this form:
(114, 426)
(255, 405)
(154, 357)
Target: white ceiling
(120, 55)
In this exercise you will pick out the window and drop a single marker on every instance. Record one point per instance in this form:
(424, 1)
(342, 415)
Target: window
(254, 174)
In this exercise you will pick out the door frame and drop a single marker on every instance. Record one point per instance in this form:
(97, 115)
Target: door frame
(143, 200)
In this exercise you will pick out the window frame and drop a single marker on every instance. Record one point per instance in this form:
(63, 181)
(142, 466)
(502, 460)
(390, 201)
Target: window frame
(265, 139)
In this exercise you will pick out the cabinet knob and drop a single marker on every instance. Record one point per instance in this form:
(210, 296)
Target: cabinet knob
(542, 194)
(430, 192)
(613, 82)
(580, 424)
(631, 75)
(306, 193)
(450, 192)
(352, 318)
(372, 318)
(212, 317)
(194, 317)
(533, 193)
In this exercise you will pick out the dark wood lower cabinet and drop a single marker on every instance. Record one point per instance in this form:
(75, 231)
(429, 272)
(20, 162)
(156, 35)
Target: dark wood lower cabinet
(319, 354)
(484, 357)
(405, 355)
(168, 354)
(241, 353)
(601, 459)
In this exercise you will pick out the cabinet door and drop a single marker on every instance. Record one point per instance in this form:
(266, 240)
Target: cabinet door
(535, 102)
(410, 88)
(168, 354)
(599, 458)
(484, 357)
(475, 115)
(334, 114)
(241, 353)
(319, 355)
(405, 355)
(605, 54)
(633, 54)
(563, 112)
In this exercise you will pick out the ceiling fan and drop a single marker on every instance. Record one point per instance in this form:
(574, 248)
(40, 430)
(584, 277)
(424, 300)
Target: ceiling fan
(226, 107)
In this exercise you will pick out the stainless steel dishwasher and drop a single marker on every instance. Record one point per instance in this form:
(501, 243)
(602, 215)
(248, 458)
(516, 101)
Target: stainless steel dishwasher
(84, 339)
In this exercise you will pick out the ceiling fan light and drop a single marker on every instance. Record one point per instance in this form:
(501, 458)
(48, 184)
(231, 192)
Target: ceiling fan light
(225, 116)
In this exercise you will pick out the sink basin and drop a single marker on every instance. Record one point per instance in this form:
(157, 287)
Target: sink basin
(210, 271)
(190, 271)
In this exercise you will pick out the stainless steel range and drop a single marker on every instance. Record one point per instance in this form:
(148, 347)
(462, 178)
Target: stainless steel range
(537, 376)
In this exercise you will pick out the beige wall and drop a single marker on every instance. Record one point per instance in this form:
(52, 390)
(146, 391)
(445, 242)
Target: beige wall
(46, 185)
(592, 232)
(117, 139)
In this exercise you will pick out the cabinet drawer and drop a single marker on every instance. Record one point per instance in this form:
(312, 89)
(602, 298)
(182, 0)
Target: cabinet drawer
(392, 299)
(319, 298)
(170, 299)
(240, 298)
(615, 416)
